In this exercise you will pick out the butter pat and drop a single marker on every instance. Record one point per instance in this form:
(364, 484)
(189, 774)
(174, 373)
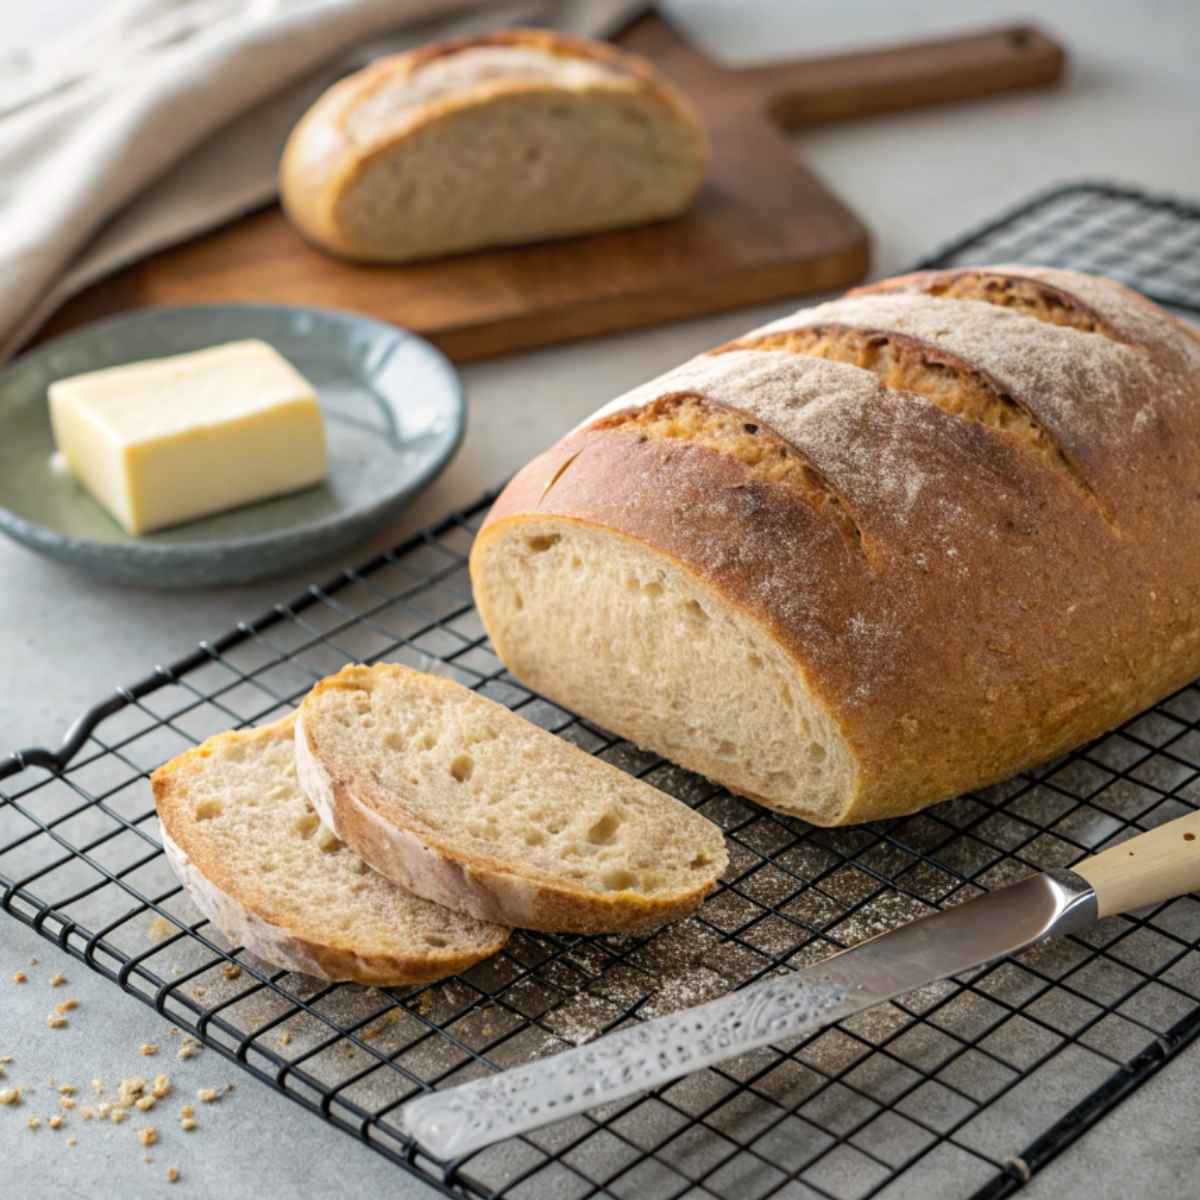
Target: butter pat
(172, 439)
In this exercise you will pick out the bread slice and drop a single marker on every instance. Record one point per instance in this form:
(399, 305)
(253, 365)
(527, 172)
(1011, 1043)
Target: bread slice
(464, 802)
(252, 854)
(514, 136)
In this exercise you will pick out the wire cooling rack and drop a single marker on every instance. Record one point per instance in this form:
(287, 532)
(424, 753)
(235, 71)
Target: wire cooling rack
(963, 1089)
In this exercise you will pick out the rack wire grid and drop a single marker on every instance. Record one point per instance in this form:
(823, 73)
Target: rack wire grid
(963, 1089)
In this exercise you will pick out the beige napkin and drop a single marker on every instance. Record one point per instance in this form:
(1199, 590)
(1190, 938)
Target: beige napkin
(159, 119)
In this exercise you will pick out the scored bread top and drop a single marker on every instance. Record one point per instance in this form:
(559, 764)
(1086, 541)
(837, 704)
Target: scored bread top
(982, 552)
(463, 801)
(252, 852)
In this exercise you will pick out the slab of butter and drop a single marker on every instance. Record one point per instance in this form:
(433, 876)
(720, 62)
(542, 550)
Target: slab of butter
(168, 440)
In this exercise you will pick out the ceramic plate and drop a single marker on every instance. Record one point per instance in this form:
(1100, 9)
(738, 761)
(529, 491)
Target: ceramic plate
(394, 415)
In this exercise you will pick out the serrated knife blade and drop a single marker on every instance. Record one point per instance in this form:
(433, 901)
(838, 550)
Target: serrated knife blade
(459, 1120)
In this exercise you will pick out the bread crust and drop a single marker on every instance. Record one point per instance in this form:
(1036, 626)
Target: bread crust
(321, 161)
(218, 893)
(992, 622)
(359, 812)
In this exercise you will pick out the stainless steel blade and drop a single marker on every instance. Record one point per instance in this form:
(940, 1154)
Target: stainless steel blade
(458, 1120)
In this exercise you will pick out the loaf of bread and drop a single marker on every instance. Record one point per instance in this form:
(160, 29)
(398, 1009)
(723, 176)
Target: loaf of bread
(515, 136)
(877, 553)
(460, 800)
(252, 854)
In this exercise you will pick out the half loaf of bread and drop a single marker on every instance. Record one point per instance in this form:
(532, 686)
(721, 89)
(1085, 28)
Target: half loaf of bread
(253, 856)
(877, 553)
(513, 136)
(460, 800)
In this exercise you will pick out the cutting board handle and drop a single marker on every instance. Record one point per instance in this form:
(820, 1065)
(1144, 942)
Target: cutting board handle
(1147, 869)
(863, 84)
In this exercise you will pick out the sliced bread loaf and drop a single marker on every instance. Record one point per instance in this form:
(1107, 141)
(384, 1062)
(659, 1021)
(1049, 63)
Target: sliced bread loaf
(462, 801)
(252, 854)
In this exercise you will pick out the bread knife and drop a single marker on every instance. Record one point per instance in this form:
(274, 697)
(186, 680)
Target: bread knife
(1148, 869)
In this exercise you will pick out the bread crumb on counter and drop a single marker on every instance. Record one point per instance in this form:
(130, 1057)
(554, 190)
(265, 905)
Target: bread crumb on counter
(159, 929)
(147, 1136)
(57, 1021)
(117, 1115)
(67, 1102)
(161, 1087)
(172, 1174)
(148, 1049)
(187, 1124)
(66, 1006)
(57, 979)
(33, 1123)
(232, 971)
(10, 1096)
(144, 1103)
(72, 1141)
(208, 1095)
(20, 977)
(55, 1122)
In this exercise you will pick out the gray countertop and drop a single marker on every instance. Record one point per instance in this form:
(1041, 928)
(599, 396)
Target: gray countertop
(1128, 113)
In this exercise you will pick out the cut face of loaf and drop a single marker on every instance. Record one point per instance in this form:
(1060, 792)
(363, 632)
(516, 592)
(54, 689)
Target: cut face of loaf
(464, 802)
(877, 553)
(512, 137)
(252, 854)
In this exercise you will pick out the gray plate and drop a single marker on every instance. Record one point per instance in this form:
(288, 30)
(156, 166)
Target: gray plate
(394, 415)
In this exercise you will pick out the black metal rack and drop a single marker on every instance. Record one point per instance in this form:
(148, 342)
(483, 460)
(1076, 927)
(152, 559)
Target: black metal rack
(977, 1082)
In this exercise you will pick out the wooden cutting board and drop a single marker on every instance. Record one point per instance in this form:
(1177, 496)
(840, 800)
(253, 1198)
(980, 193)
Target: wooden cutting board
(763, 228)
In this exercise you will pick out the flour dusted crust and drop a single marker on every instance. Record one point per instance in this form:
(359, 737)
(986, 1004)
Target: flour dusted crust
(458, 146)
(993, 606)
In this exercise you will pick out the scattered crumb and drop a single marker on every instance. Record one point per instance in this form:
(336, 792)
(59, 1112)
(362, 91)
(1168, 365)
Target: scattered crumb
(67, 1089)
(144, 1103)
(208, 1095)
(130, 1089)
(57, 979)
(66, 1102)
(3, 1073)
(55, 1122)
(187, 1124)
(66, 1006)
(147, 1158)
(232, 971)
(285, 1038)
(72, 1141)
(57, 1021)
(87, 1113)
(147, 1136)
(189, 1049)
(20, 977)
(187, 1111)
(6, 1059)
(33, 962)
(425, 1003)
(159, 929)
(172, 1174)
(148, 1049)
(105, 1111)
(162, 1086)
(97, 1086)
(10, 1096)
(117, 1115)
(33, 1123)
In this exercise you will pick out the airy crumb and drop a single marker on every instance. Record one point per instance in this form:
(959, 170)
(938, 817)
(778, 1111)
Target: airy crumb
(10, 1096)
(55, 1122)
(148, 1049)
(57, 979)
(66, 1006)
(117, 1115)
(172, 1174)
(147, 1136)
(162, 1086)
(67, 1102)
(187, 1124)
(232, 971)
(159, 929)
(105, 1111)
(131, 1088)
(67, 1089)
(208, 1095)
(144, 1103)
(33, 1123)
(57, 1021)
(20, 977)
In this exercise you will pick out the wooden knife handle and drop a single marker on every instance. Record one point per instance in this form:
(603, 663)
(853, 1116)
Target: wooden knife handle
(866, 83)
(1147, 869)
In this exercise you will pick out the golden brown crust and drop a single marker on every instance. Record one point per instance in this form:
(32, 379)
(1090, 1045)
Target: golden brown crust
(321, 160)
(993, 623)
(341, 962)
